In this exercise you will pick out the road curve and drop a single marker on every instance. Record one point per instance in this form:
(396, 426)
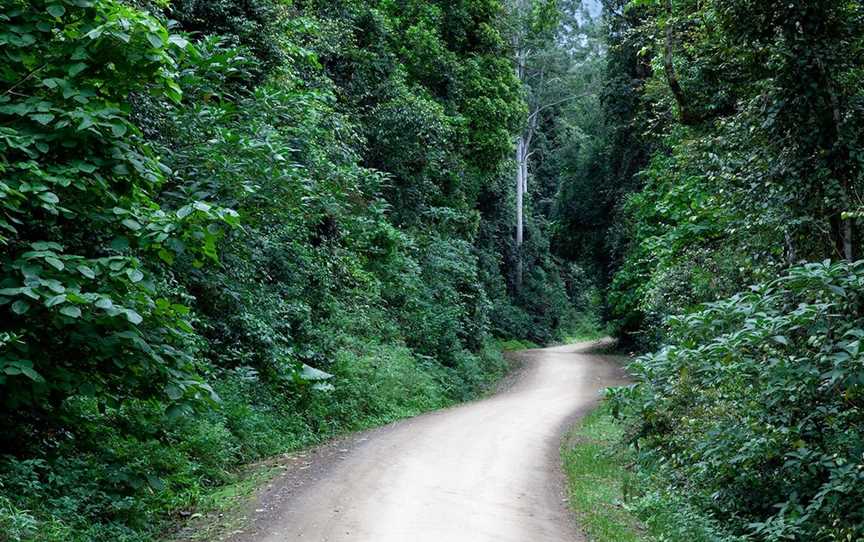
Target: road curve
(486, 471)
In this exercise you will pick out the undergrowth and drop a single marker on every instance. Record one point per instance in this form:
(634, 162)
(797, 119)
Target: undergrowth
(619, 497)
(755, 406)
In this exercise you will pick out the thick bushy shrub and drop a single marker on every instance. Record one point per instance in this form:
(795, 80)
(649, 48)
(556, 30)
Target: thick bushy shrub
(89, 306)
(756, 406)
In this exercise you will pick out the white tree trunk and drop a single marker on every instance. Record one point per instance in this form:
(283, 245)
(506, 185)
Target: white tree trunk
(523, 155)
(522, 8)
(521, 170)
(520, 191)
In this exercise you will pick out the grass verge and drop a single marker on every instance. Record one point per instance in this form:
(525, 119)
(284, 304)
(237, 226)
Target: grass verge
(513, 345)
(595, 466)
(619, 496)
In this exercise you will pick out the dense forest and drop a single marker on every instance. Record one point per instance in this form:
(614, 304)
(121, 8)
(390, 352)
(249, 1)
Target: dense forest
(732, 153)
(232, 229)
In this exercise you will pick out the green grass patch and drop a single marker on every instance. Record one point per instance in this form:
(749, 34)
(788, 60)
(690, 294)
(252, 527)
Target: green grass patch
(584, 336)
(225, 509)
(595, 467)
(585, 327)
(512, 345)
(619, 496)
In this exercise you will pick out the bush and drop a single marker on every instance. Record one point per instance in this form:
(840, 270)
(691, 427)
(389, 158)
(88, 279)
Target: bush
(17, 525)
(615, 504)
(757, 405)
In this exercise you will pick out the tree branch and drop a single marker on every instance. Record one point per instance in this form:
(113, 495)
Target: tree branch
(559, 102)
(24, 79)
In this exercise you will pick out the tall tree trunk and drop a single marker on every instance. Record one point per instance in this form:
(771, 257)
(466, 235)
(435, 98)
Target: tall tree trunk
(848, 247)
(840, 168)
(521, 171)
(523, 155)
(841, 165)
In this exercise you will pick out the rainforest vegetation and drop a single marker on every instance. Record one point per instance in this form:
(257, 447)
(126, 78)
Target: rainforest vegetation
(735, 149)
(230, 229)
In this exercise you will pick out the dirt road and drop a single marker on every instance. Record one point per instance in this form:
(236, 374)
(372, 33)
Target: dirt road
(487, 471)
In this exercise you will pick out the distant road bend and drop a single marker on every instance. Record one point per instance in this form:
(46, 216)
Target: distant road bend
(486, 471)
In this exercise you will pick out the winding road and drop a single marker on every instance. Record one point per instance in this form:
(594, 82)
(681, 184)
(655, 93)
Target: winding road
(486, 471)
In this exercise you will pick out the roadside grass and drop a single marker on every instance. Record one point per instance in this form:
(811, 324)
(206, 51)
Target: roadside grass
(620, 497)
(595, 466)
(512, 345)
(586, 327)
(224, 510)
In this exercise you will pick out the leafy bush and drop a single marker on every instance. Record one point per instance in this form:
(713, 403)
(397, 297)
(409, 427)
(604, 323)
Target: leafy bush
(16, 525)
(88, 308)
(757, 405)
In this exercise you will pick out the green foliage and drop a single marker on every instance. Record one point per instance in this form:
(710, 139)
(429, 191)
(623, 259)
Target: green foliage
(253, 25)
(17, 524)
(757, 403)
(757, 176)
(694, 238)
(729, 153)
(512, 345)
(235, 238)
(88, 308)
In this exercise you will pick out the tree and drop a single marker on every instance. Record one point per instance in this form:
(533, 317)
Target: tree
(547, 37)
